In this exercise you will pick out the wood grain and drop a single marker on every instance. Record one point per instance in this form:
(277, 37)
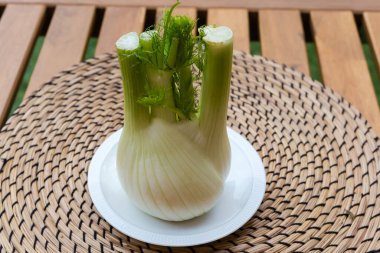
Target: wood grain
(64, 44)
(342, 61)
(282, 38)
(116, 22)
(252, 5)
(237, 20)
(19, 26)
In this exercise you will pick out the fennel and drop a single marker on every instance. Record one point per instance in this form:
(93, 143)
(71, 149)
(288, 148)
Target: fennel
(173, 155)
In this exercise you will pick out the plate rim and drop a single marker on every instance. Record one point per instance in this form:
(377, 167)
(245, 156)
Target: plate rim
(105, 210)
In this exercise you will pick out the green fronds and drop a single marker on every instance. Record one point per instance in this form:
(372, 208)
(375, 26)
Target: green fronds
(172, 47)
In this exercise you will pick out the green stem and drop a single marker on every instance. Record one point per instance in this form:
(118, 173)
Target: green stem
(146, 43)
(186, 92)
(161, 79)
(146, 40)
(215, 86)
(172, 55)
(132, 72)
(215, 95)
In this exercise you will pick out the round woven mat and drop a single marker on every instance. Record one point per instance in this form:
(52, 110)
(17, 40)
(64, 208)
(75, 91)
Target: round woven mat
(322, 162)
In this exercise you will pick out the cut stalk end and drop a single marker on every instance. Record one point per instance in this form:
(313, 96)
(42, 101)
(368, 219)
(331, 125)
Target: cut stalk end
(128, 42)
(218, 35)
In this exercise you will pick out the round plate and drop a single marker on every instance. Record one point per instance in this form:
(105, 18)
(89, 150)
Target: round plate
(243, 192)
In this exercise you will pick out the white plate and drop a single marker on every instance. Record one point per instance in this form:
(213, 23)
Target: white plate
(243, 192)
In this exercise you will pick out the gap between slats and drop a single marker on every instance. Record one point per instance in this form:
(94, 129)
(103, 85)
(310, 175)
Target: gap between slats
(1, 11)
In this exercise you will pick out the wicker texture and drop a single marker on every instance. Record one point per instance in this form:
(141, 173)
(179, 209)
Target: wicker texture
(322, 162)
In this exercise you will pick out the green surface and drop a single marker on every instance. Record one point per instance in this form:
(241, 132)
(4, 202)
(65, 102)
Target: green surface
(313, 61)
(91, 46)
(372, 70)
(255, 49)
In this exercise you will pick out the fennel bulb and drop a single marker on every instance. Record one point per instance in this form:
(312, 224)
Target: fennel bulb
(173, 155)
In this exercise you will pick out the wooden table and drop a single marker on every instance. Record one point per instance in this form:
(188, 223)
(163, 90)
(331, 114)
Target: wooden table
(281, 30)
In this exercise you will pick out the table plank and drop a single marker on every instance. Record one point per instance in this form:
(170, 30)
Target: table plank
(64, 44)
(116, 22)
(343, 63)
(251, 5)
(237, 20)
(19, 26)
(372, 23)
(282, 38)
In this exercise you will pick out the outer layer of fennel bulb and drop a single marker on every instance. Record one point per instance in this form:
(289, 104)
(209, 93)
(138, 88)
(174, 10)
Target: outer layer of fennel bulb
(172, 160)
(167, 174)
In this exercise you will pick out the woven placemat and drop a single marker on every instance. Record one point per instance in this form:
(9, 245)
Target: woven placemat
(321, 158)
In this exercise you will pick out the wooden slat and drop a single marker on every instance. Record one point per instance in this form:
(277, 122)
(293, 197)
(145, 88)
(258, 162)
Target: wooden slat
(190, 12)
(372, 24)
(64, 44)
(19, 26)
(252, 5)
(282, 38)
(116, 22)
(342, 61)
(237, 20)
